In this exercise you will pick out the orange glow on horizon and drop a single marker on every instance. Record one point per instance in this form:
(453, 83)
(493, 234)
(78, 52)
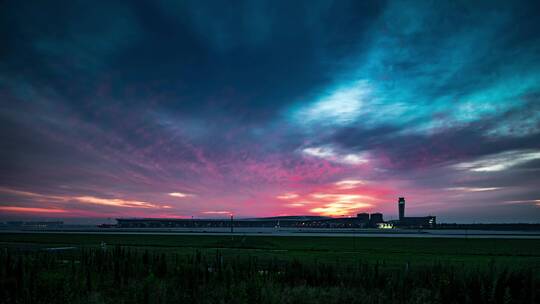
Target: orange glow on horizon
(217, 212)
(340, 208)
(345, 197)
(31, 209)
(115, 202)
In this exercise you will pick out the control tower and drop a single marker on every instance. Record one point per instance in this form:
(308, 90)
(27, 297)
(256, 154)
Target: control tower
(401, 207)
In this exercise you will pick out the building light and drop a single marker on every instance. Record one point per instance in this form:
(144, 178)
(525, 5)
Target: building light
(385, 225)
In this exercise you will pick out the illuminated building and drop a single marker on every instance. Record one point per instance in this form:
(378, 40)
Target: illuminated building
(385, 225)
(413, 222)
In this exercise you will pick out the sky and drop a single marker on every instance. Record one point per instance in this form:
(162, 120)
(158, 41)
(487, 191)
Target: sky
(265, 108)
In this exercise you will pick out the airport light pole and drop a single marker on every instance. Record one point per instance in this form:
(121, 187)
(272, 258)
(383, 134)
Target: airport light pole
(232, 227)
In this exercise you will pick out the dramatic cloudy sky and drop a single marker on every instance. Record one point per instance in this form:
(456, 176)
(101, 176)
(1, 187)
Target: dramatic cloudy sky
(201, 108)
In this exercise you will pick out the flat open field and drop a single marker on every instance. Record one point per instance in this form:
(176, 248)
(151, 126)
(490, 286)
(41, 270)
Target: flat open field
(342, 250)
(76, 268)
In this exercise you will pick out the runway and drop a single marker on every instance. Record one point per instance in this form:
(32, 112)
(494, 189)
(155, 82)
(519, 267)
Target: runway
(305, 232)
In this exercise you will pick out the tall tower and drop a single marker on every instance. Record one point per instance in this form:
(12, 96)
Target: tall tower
(401, 207)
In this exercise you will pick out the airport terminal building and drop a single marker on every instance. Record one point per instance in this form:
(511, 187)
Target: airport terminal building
(269, 222)
(413, 222)
(362, 220)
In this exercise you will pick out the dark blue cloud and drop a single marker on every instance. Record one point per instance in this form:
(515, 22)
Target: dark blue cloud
(137, 98)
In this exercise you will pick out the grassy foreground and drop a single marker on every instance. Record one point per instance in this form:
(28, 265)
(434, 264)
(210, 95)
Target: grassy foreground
(509, 252)
(256, 269)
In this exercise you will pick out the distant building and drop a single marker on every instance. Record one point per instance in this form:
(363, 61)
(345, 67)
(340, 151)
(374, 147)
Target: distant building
(363, 217)
(401, 207)
(418, 222)
(376, 218)
(413, 222)
(270, 222)
(362, 220)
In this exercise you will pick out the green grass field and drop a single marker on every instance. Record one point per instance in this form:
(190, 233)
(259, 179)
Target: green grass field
(266, 269)
(391, 251)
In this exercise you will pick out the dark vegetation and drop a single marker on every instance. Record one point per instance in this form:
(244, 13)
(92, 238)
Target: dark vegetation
(338, 250)
(207, 269)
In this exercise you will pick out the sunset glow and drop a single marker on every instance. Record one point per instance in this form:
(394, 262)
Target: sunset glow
(30, 209)
(181, 110)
